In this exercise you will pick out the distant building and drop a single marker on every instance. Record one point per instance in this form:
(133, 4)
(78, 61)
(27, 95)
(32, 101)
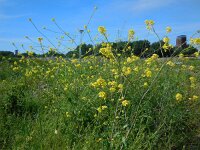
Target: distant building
(16, 52)
(181, 41)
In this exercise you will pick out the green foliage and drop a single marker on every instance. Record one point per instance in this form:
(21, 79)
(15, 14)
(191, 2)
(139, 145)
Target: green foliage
(50, 104)
(6, 54)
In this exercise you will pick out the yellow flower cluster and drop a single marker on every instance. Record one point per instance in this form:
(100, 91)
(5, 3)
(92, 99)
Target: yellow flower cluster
(147, 73)
(194, 98)
(125, 103)
(168, 29)
(151, 59)
(126, 70)
(100, 82)
(102, 30)
(179, 97)
(102, 95)
(107, 51)
(195, 41)
(192, 81)
(170, 63)
(113, 85)
(149, 24)
(166, 45)
(132, 59)
(196, 54)
(101, 108)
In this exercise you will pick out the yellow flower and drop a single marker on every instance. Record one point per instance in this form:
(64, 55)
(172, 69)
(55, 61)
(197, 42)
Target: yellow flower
(131, 33)
(149, 24)
(101, 108)
(194, 97)
(148, 73)
(196, 54)
(112, 83)
(166, 40)
(168, 29)
(179, 97)
(192, 79)
(191, 68)
(170, 63)
(126, 71)
(107, 51)
(102, 30)
(112, 89)
(145, 85)
(104, 107)
(195, 41)
(102, 95)
(125, 103)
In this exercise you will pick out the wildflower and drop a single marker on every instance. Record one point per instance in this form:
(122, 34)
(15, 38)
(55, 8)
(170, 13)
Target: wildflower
(99, 139)
(194, 97)
(15, 68)
(102, 30)
(196, 54)
(125, 103)
(136, 69)
(40, 39)
(66, 88)
(168, 29)
(179, 97)
(67, 114)
(101, 108)
(15, 63)
(195, 41)
(181, 55)
(170, 63)
(112, 83)
(30, 53)
(104, 107)
(131, 33)
(149, 24)
(102, 95)
(191, 68)
(56, 131)
(120, 86)
(147, 73)
(192, 79)
(166, 40)
(107, 51)
(145, 84)
(126, 71)
(112, 89)
(129, 60)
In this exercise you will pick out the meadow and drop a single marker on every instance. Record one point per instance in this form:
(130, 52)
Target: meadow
(110, 101)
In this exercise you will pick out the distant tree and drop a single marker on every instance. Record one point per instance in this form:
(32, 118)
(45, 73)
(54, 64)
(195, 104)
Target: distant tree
(6, 53)
(139, 47)
(156, 48)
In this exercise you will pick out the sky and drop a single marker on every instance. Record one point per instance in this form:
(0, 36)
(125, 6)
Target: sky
(118, 16)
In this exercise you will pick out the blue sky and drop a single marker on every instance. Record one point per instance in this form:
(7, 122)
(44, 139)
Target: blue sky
(118, 16)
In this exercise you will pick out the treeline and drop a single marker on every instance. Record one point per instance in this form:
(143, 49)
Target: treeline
(141, 48)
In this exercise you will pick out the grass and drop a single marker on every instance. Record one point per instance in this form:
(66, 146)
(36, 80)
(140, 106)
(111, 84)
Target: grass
(55, 104)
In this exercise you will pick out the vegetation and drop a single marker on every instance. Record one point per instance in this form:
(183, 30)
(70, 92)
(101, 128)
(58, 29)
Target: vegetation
(109, 98)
